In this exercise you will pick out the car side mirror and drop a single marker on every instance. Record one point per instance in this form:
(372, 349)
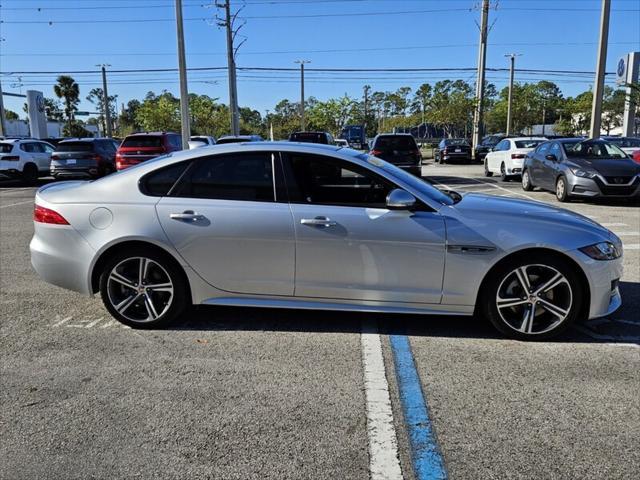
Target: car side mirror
(551, 157)
(399, 199)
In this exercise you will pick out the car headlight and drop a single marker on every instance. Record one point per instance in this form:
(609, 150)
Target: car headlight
(578, 172)
(602, 251)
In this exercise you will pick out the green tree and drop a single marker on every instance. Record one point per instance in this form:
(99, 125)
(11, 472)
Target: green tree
(452, 106)
(127, 122)
(95, 97)
(159, 113)
(11, 115)
(68, 90)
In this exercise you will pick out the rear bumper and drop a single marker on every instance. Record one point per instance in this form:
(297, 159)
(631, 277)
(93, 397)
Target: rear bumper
(61, 257)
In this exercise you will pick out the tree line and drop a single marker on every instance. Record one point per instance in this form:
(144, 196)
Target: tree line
(447, 105)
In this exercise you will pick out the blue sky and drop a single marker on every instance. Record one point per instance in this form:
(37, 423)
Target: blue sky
(550, 34)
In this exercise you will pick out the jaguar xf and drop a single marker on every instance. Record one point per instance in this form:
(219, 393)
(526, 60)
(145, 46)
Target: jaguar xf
(292, 225)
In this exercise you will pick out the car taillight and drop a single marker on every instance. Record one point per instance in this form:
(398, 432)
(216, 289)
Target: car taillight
(518, 155)
(46, 215)
(376, 152)
(10, 158)
(122, 163)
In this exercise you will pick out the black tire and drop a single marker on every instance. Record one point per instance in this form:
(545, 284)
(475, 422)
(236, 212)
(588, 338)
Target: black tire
(416, 171)
(504, 273)
(172, 308)
(527, 186)
(561, 190)
(30, 174)
(503, 173)
(487, 173)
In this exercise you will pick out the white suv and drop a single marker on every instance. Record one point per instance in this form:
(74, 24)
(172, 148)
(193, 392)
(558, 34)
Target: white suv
(507, 157)
(26, 159)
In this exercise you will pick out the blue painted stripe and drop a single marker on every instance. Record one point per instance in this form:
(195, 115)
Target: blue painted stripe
(425, 454)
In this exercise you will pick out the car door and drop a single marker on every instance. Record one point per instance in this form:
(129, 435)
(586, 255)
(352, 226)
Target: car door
(537, 172)
(350, 246)
(44, 156)
(550, 169)
(225, 220)
(33, 153)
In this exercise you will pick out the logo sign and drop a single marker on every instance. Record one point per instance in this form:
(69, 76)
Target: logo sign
(621, 71)
(40, 103)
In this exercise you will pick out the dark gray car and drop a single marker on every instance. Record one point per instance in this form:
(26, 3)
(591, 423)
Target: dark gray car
(84, 158)
(581, 168)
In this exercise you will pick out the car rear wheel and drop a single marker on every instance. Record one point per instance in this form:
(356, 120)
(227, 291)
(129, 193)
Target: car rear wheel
(487, 172)
(561, 190)
(526, 181)
(533, 298)
(143, 289)
(503, 173)
(29, 174)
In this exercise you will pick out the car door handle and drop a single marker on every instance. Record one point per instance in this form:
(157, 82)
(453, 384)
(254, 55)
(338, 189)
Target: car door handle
(187, 215)
(318, 221)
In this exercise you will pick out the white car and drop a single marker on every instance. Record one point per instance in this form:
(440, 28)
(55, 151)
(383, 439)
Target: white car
(207, 140)
(507, 156)
(341, 142)
(628, 145)
(25, 159)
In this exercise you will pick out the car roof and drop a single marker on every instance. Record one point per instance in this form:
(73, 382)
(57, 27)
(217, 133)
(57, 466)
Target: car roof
(544, 139)
(394, 135)
(140, 134)
(86, 139)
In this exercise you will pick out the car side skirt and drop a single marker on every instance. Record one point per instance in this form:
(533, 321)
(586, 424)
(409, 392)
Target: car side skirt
(339, 305)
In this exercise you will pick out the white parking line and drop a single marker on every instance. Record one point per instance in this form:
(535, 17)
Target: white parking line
(614, 224)
(631, 246)
(14, 204)
(627, 234)
(383, 446)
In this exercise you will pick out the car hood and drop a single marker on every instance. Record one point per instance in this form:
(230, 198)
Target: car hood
(510, 223)
(608, 166)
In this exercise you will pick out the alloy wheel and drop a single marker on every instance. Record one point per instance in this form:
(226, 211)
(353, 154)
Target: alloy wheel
(534, 299)
(140, 289)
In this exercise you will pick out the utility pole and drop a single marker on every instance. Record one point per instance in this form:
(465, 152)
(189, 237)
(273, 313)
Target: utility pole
(3, 126)
(544, 114)
(598, 89)
(512, 57)
(231, 63)
(302, 62)
(182, 66)
(482, 58)
(366, 105)
(105, 100)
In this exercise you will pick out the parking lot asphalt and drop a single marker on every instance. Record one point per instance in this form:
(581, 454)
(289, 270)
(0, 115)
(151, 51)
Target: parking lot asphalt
(248, 393)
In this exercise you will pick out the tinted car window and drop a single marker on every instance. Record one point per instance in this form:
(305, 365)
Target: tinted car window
(396, 143)
(6, 147)
(543, 148)
(47, 148)
(456, 141)
(75, 147)
(246, 176)
(320, 180)
(142, 141)
(555, 150)
(159, 183)
(309, 137)
(30, 147)
(503, 145)
(175, 141)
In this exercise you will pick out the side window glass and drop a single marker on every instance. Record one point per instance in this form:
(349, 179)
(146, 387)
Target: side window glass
(160, 182)
(27, 147)
(555, 150)
(246, 177)
(318, 180)
(542, 149)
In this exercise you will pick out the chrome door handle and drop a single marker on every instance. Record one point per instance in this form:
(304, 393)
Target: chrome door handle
(187, 215)
(318, 221)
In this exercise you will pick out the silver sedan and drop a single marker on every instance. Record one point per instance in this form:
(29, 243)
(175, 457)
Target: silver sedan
(292, 225)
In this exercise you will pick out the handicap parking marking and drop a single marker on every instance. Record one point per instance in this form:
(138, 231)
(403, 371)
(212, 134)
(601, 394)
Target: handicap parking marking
(384, 463)
(18, 203)
(427, 460)
(97, 323)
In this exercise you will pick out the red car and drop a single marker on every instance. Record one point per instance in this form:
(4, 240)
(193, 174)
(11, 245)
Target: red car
(139, 147)
(636, 156)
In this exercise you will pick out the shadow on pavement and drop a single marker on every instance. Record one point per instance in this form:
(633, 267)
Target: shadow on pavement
(17, 183)
(315, 321)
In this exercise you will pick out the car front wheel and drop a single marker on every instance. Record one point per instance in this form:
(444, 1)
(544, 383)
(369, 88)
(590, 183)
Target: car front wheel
(143, 289)
(533, 298)
(561, 190)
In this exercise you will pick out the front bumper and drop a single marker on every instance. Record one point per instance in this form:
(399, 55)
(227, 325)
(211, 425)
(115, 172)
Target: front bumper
(598, 187)
(603, 278)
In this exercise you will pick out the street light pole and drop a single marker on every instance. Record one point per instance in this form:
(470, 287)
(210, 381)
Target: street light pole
(598, 90)
(182, 66)
(482, 58)
(302, 62)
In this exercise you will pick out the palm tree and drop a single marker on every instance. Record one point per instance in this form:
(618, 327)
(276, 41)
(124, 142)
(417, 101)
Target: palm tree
(68, 90)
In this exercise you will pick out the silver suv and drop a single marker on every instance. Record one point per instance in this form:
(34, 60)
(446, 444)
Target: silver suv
(26, 159)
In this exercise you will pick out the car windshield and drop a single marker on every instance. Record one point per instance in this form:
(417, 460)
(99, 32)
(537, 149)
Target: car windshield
(232, 140)
(308, 137)
(411, 180)
(456, 141)
(75, 147)
(5, 147)
(528, 143)
(143, 141)
(593, 150)
(491, 141)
